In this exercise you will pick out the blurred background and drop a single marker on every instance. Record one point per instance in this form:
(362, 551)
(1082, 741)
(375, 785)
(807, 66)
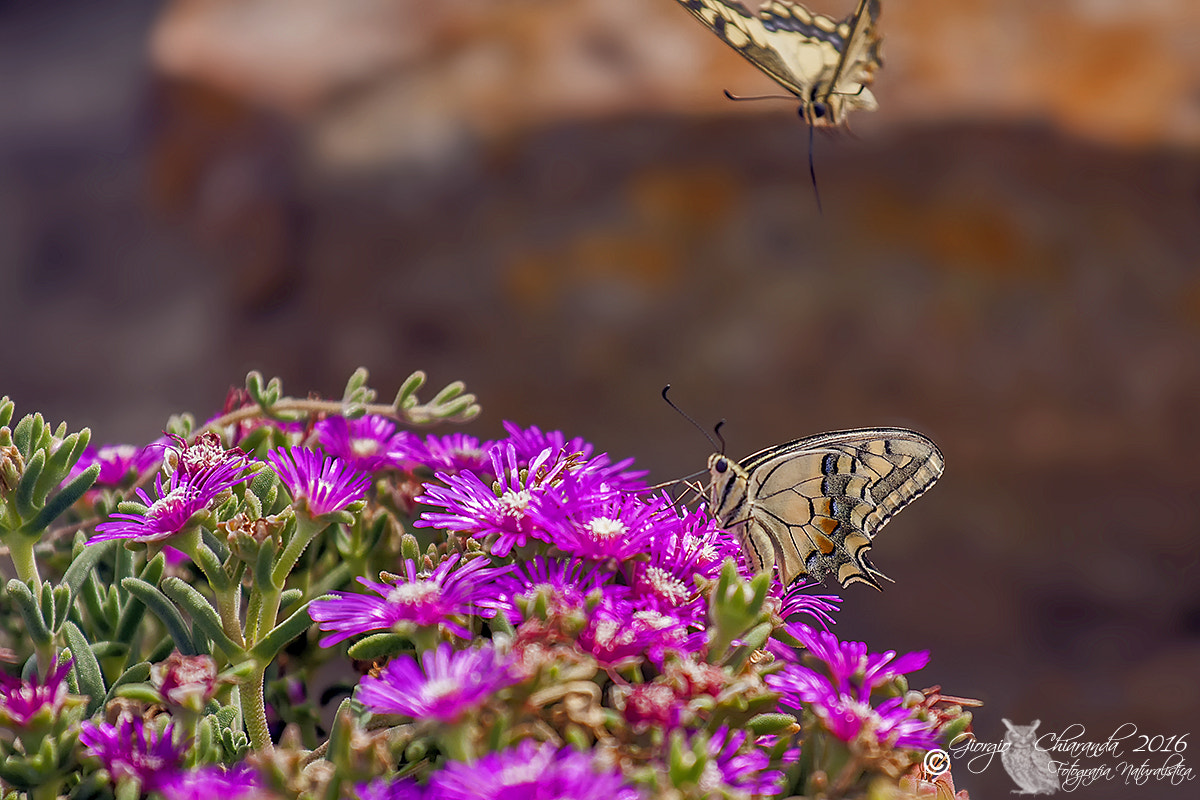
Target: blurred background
(552, 201)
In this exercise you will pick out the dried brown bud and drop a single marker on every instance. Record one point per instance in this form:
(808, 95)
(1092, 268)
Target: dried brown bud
(12, 467)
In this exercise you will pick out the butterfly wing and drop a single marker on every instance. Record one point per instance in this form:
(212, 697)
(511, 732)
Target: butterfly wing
(813, 506)
(826, 63)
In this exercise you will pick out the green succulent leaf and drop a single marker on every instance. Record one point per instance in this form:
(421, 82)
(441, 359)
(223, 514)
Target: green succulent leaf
(86, 667)
(269, 646)
(165, 610)
(65, 498)
(27, 604)
(379, 645)
(203, 615)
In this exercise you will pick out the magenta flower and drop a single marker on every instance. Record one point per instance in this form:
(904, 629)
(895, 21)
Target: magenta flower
(611, 635)
(203, 454)
(367, 444)
(323, 485)
(565, 584)
(600, 525)
(118, 462)
(531, 771)
(451, 454)
(849, 716)
(733, 772)
(238, 783)
(841, 698)
(185, 495)
(796, 600)
(26, 703)
(617, 632)
(530, 442)
(849, 664)
(698, 543)
(475, 508)
(396, 789)
(682, 549)
(439, 598)
(131, 750)
(448, 683)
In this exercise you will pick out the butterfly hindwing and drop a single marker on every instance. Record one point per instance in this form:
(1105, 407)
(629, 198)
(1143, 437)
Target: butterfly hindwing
(826, 63)
(813, 506)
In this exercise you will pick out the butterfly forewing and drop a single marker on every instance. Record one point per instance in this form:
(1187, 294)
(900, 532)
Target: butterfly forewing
(818, 59)
(813, 506)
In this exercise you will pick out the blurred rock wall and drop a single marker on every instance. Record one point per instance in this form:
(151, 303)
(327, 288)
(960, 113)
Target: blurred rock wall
(554, 203)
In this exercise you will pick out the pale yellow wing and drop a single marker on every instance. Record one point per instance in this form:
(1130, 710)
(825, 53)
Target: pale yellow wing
(813, 506)
(827, 64)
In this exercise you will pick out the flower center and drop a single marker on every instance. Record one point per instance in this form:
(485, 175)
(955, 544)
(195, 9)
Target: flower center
(606, 530)
(666, 585)
(412, 594)
(606, 633)
(440, 688)
(172, 503)
(515, 504)
(365, 447)
(203, 453)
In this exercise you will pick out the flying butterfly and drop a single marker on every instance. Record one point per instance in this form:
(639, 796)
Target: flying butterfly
(827, 64)
(813, 506)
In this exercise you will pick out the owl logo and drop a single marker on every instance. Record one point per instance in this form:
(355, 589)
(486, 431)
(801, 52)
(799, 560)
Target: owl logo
(1030, 767)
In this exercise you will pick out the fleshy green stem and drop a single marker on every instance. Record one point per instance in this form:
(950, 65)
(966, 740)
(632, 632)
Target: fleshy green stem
(20, 549)
(455, 741)
(268, 613)
(227, 608)
(307, 529)
(261, 614)
(254, 710)
(47, 791)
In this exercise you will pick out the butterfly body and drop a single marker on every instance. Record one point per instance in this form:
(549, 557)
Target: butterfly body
(813, 506)
(826, 63)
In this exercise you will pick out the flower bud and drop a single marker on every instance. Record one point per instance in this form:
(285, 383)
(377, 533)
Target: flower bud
(188, 682)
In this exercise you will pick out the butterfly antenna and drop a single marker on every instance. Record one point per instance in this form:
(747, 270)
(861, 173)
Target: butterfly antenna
(681, 413)
(812, 170)
(717, 433)
(740, 98)
(685, 480)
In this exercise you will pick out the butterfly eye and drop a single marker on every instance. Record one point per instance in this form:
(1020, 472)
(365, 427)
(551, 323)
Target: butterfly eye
(721, 465)
(819, 110)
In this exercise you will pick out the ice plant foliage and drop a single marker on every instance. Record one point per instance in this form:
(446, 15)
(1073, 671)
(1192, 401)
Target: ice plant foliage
(368, 613)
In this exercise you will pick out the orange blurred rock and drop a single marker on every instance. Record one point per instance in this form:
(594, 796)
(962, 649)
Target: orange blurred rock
(385, 79)
(1115, 72)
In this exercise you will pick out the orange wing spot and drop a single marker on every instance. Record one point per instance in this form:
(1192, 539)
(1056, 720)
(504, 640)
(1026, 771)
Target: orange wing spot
(827, 525)
(825, 545)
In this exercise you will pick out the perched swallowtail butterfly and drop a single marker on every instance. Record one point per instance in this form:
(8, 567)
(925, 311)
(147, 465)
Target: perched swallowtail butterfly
(813, 506)
(827, 64)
